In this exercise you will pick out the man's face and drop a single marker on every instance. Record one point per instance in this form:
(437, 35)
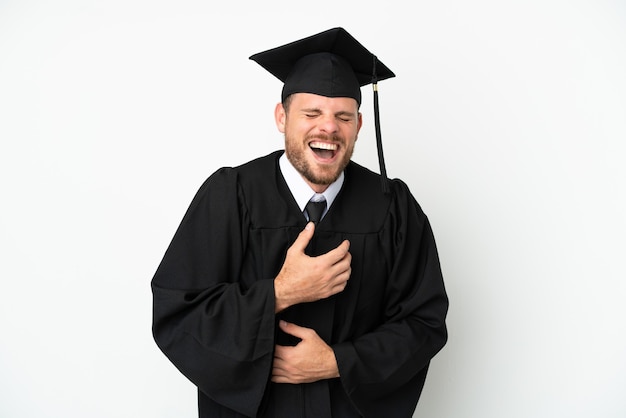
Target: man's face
(320, 133)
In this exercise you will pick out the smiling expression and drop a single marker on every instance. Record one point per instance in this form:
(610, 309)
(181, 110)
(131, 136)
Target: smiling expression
(320, 133)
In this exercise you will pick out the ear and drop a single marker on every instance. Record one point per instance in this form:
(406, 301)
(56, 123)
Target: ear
(279, 117)
(358, 126)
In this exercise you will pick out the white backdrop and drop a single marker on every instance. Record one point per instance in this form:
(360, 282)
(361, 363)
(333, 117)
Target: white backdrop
(506, 119)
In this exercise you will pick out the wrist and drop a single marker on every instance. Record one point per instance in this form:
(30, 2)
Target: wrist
(331, 361)
(280, 302)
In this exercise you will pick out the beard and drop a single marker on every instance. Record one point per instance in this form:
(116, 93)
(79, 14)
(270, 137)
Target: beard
(323, 175)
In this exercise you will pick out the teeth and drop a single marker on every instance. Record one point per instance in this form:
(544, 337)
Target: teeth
(324, 145)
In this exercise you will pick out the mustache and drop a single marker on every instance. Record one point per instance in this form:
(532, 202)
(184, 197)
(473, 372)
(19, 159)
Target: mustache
(328, 138)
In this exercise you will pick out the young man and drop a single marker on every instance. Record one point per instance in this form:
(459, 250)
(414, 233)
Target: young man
(276, 309)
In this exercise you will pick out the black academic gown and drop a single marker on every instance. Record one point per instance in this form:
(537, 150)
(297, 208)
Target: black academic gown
(214, 297)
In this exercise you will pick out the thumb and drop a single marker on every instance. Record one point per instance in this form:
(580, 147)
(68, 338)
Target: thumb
(293, 329)
(304, 237)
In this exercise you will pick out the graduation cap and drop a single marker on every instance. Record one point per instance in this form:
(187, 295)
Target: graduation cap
(332, 64)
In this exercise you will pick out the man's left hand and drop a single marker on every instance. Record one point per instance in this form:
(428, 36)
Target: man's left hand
(308, 361)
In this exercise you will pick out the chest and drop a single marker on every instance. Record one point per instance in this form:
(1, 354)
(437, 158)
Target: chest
(359, 307)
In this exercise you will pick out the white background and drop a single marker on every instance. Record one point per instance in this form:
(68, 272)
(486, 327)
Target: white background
(506, 119)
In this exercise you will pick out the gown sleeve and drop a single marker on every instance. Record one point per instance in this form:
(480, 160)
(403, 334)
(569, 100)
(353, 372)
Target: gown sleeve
(383, 371)
(219, 334)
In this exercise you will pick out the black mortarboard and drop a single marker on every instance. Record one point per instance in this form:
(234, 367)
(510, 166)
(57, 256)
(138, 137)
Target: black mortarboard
(332, 64)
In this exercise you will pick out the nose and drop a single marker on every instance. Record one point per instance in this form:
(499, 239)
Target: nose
(328, 124)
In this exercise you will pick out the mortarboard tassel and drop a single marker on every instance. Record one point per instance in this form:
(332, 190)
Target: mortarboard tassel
(379, 139)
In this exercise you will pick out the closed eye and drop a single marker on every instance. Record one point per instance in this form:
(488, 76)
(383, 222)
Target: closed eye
(345, 117)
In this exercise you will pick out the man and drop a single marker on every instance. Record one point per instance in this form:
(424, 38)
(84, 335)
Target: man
(273, 312)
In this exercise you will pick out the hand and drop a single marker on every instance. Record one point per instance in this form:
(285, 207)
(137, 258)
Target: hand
(307, 279)
(308, 361)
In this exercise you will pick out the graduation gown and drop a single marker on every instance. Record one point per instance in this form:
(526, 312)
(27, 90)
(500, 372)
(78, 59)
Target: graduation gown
(213, 297)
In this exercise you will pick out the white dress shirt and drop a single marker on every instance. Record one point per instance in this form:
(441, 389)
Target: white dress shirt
(299, 188)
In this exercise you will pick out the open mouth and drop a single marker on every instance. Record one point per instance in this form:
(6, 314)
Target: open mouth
(323, 150)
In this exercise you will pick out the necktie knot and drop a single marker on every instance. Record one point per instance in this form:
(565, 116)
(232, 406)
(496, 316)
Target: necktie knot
(315, 209)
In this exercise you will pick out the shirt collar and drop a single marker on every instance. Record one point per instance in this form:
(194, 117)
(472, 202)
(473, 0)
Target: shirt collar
(300, 190)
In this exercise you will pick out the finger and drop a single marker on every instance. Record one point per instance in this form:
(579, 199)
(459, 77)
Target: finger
(343, 266)
(279, 351)
(340, 282)
(338, 253)
(342, 275)
(280, 378)
(293, 329)
(278, 373)
(304, 237)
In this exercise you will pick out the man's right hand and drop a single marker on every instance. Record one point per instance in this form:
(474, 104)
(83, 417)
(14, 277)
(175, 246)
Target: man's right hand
(306, 279)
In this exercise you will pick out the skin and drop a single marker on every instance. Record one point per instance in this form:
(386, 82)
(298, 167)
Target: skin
(312, 121)
(332, 121)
